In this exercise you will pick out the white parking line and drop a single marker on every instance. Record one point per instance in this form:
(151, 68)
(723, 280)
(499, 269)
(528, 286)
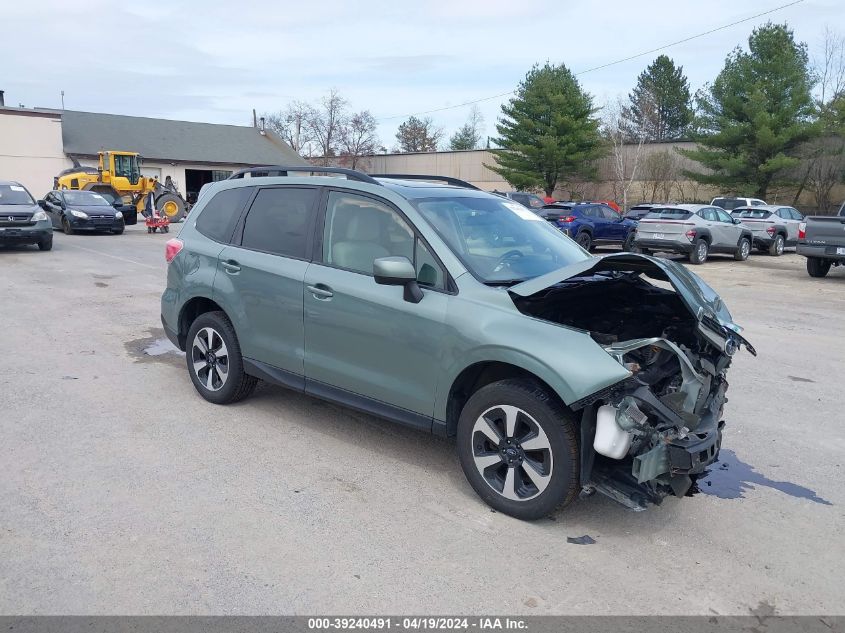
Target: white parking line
(118, 257)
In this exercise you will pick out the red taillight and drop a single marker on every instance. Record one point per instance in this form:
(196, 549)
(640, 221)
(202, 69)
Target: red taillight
(802, 230)
(568, 218)
(770, 230)
(172, 248)
(690, 234)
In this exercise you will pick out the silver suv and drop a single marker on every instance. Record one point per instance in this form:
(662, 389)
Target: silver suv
(773, 227)
(695, 230)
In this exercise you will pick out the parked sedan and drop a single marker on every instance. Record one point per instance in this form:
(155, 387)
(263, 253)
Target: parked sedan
(74, 211)
(774, 227)
(696, 230)
(590, 224)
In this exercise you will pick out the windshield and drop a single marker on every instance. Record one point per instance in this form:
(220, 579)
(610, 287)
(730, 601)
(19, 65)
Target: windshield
(86, 198)
(15, 194)
(499, 241)
(728, 203)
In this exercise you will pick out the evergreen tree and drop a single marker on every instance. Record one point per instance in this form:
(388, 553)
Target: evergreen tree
(418, 135)
(754, 117)
(547, 132)
(660, 105)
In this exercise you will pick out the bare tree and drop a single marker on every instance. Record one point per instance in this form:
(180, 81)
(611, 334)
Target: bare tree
(659, 173)
(292, 125)
(326, 124)
(358, 137)
(830, 67)
(625, 157)
(469, 134)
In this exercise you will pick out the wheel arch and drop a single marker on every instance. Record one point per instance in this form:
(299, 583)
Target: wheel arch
(480, 374)
(704, 234)
(192, 309)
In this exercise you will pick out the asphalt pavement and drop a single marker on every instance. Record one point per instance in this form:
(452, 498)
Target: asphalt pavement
(123, 492)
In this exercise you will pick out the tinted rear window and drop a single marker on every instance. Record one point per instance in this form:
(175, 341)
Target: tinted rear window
(279, 222)
(728, 203)
(218, 218)
(669, 214)
(755, 214)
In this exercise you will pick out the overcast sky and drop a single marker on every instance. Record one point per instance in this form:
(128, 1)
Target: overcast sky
(216, 60)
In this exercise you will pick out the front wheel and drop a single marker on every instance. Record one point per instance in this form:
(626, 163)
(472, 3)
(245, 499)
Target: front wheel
(46, 245)
(817, 267)
(518, 449)
(743, 250)
(214, 360)
(66, 227)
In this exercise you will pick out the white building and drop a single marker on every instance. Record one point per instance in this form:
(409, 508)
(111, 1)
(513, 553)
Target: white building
(36, 144)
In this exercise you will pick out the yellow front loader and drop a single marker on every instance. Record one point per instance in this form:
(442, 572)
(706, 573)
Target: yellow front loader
(119, 175)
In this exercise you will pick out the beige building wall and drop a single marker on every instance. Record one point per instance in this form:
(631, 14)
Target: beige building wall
(31, 149)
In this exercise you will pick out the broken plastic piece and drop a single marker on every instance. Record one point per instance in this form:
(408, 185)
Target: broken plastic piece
(581, 540)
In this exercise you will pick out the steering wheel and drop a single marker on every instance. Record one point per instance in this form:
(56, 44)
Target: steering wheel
(504, 259)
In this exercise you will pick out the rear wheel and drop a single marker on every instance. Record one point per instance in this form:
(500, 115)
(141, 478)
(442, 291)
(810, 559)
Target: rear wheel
(818, 267)
(584, 240)
(214, 360)
(776, 248)
(628, 244)
(699, 253)
(518, 449)
(743, 250)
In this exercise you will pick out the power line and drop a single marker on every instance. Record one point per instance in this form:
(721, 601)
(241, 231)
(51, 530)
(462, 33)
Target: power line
(613, 63)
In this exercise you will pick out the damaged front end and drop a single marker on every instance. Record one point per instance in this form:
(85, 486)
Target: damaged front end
(650, 434)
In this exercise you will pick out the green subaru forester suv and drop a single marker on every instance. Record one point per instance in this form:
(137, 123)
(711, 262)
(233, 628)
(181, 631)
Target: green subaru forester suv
(457, 312)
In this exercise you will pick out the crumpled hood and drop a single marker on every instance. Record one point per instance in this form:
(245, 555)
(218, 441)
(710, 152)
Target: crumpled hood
(702, 301)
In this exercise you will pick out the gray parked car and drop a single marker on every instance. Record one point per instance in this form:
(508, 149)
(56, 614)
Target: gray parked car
(774, 227)
(696, 230)
(461, 313)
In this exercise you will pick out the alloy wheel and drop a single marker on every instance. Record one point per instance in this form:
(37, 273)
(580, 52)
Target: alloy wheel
(210, 359)
(702, 250)
(745, 249)
(779, 245)
(512, 452)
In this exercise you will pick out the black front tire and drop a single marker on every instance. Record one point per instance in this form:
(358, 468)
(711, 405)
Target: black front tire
(238, 384)
(66, 227)
(118, 232)
(556, 423)
(46, 245)
(817, 267)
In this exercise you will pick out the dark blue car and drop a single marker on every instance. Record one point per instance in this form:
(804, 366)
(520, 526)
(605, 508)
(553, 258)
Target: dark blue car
(591, 223)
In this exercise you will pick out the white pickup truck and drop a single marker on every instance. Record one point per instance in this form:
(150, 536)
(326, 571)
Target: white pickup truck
(821, 239)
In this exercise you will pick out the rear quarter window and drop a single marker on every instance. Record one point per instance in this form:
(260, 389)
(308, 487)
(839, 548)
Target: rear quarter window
(217, 219)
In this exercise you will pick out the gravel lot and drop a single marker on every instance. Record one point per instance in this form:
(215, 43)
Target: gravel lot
(123, 492)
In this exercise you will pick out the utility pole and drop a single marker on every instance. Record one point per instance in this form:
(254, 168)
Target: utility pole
(63, 99)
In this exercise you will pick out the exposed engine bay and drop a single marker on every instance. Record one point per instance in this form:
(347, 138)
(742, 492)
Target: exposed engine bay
(651, 434)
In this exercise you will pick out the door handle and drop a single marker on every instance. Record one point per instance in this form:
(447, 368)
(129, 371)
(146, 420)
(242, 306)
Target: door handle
(231, 266)
(320, 291)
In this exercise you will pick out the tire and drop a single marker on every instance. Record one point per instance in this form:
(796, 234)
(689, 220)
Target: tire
(817, 267)
(217, 380)
(628, 244)
(118, 232)
(776, 247)
(743, 250)
(584, 240)
(699, 253)
(533, 415)
(66, 227)
(165, 229)
(46, 245)
(171, 206)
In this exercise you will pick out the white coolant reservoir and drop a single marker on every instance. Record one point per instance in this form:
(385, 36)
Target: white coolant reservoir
(611, 441)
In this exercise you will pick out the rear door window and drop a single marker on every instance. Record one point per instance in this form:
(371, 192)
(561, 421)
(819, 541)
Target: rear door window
(217, 219)
(281, 221)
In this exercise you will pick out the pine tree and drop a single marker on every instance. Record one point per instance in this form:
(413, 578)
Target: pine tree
(754, 117)
(418, 135)
(660, 104)
(547, 132)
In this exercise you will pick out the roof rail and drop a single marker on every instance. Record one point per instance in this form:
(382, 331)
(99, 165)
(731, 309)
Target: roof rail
(282, 170)
(447, 179)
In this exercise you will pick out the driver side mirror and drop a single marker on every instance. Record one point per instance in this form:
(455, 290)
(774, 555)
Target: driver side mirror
(737, 221)
(117, 204)
(398, 271)
(42, 203)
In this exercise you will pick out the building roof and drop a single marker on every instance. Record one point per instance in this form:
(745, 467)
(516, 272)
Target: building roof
(86, 133)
